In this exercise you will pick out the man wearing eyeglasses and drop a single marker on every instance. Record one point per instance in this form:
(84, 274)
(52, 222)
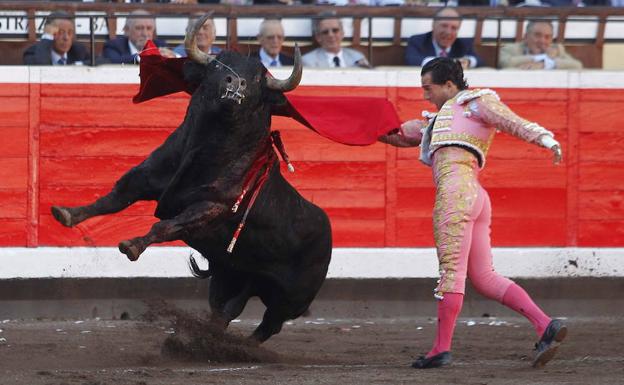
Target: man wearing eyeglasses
(271, 38)
(329, 33)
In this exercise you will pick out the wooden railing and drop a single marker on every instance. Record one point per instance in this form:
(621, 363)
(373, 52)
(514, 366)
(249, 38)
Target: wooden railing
(589, 51)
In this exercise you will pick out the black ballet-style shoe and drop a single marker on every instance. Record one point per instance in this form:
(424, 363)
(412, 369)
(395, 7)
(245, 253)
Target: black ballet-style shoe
(440, 359)
(547, 346)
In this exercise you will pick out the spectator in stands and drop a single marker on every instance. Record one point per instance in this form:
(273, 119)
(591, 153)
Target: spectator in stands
(49, 27)
(481, 3)
(273, 2)
(271, 38)
(62, 49)
(328, 33)
(442, 41)
(537, 50)
(139, 28)
(576, 3)
(192, 1)
(205, 37)
(372, 3)
(169, 1)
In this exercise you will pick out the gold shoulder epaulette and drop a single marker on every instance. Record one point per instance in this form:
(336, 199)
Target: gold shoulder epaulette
(469, 95)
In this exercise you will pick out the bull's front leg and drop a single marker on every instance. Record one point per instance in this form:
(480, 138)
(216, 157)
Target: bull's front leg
(194, 218)
(131, 187)
(146, 181)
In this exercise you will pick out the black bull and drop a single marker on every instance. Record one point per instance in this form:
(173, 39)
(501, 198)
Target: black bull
(222, 147)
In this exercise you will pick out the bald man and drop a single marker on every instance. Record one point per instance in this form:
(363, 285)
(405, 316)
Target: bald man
(442, 41)
(271, 39)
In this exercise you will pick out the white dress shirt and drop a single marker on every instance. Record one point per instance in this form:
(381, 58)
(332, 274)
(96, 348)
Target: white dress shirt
(331, 56)
(134, 51)
(56, 57)
(267, 59)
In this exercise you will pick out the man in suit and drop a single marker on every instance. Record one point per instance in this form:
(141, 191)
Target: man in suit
(62, 49)
(271, 38)
(442, 41)
(139, 28)
(329, 33)
(537, 50)
(204, 38)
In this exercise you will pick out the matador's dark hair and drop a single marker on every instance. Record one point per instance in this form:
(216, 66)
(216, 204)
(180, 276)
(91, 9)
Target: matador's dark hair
(443, 69)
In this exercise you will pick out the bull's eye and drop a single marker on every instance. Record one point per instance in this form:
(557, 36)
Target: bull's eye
(228, 79)
(243, 83)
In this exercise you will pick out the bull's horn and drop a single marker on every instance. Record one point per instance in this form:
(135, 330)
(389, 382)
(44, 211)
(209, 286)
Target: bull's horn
(295, 77)
(192, 51)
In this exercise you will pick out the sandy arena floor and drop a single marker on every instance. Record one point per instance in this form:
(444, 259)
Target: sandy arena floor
(168, 349)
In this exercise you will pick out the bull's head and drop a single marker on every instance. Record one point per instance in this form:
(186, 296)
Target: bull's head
(234, 84)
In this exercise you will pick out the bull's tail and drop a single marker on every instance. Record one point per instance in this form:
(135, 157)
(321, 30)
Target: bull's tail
(199, 273)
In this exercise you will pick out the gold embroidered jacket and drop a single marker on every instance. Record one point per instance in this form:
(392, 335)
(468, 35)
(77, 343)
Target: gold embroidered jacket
(470, 120)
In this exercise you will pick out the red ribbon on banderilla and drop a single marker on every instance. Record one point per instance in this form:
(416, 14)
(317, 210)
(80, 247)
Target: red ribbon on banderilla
(264, 160)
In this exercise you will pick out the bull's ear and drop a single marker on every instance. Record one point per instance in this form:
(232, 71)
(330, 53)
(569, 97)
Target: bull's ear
(194, 72)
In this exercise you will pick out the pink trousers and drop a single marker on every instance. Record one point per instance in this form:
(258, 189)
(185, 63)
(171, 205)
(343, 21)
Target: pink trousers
(461, 222)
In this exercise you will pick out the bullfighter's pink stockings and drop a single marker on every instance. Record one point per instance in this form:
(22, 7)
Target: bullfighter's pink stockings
(517, 299)
(448, 310)
(462, 217)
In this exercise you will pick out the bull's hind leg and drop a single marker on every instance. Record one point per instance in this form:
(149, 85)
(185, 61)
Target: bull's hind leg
(279, 309)
(274, 318)
(192, 220)
(229, 293)
(291, 301)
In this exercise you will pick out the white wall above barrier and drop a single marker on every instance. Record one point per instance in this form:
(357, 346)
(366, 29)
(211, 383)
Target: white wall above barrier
(380, 77)
(357, 263)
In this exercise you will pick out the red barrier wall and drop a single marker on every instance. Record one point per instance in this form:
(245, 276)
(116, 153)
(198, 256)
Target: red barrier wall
(67, 144)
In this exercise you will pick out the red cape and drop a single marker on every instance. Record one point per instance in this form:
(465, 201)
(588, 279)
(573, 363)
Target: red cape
(356, 121)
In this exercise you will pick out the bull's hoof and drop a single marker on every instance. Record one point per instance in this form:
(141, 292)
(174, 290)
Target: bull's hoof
(62, 215)
(253, 341)
(131, 250)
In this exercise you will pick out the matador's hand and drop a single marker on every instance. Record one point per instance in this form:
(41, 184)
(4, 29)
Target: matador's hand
(412, 128)
(557, 155)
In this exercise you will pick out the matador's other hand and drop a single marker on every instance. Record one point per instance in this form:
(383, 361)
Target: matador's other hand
(554, 146)
(557, 155)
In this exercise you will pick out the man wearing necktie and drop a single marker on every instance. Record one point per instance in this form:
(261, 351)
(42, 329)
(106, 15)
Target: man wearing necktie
(271, 39)
(329, 33)
(140, 27)
(62, 49)
(442, 41)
